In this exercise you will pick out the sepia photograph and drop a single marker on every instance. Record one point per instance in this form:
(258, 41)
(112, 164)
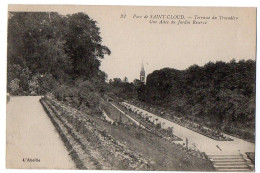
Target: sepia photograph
(144, 88)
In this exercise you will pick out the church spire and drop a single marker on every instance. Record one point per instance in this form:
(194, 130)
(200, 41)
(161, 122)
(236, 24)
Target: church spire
(142, 67)
(142, 73)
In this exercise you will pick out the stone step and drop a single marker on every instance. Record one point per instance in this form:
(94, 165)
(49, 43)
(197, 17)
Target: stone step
(219, 157)
(234, 170)
(229, 163)
(232, 167)
(227, 158)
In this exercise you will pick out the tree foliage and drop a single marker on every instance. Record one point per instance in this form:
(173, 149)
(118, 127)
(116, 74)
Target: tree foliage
(45, 49)
(223, 92)
(122, 89)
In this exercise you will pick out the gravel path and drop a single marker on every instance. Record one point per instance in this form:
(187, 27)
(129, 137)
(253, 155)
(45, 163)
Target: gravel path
(32, 141)
(203, 143)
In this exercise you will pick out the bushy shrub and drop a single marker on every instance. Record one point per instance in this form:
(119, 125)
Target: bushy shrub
(82, 95)
(14, 87)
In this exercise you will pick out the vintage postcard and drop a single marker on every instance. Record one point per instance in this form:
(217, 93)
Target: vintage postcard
(131, 88)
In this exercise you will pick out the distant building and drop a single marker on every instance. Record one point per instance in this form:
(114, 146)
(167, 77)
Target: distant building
(142, 74)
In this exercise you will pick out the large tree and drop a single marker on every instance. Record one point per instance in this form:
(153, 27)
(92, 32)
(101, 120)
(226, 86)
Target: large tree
(84, 44)
(62, 47)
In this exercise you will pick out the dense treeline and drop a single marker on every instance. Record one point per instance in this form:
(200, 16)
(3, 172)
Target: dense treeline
(220, 95)
(49, 52)
(125, 90)
(220, 92)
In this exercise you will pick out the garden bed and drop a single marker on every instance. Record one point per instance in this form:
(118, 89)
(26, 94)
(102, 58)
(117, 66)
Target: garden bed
(165, 133)
(94, 146)
(201, 130)
(247, 134)
(123, 146)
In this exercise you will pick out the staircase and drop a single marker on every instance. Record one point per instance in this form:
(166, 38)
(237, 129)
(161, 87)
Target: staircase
(230, 163)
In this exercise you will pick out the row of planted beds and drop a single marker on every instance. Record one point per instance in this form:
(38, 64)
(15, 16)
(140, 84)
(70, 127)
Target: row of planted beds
(156, 129)
(198, 124)
(199, 128)
(89, 145)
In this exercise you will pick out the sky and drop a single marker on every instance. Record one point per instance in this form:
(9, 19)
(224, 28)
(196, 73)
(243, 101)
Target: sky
(133, 40)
